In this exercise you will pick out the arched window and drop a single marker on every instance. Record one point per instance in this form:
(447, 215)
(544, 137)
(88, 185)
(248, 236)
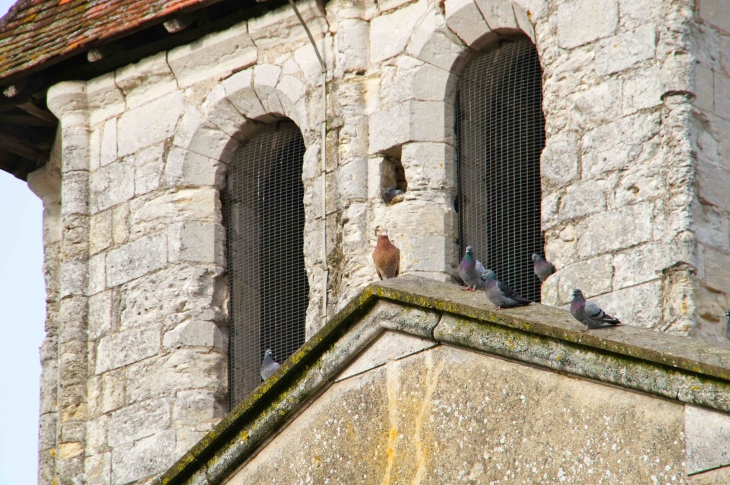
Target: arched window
(264, 217)
(500, 132)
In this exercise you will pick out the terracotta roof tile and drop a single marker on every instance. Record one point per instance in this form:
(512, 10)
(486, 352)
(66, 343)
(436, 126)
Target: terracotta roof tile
(38, 31)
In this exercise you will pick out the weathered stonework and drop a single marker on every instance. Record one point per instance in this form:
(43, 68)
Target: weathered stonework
(634, 212)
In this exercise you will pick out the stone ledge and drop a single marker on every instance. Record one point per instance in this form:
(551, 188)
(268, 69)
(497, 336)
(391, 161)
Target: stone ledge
(639, 359)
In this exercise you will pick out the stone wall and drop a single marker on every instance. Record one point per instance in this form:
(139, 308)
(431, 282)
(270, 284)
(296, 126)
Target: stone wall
(710, 34)
(135, 355)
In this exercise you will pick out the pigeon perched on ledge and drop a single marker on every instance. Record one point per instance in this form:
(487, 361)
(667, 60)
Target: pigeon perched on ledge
(588, 313)
(543, 268)
(501, 294)
(471, 271)
(391, 193)
(386, 257)
(268, 365)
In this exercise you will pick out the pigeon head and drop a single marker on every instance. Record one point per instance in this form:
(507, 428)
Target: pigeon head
(390, 191)
(267, 353)
(536, 257)
(489, 275)
(470, 250)
(577, 293)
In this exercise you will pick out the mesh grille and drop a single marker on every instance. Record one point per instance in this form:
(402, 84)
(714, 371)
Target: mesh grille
(500, 134)
(264, 216)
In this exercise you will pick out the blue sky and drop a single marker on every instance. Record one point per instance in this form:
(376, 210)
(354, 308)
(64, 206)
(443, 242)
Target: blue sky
(22, 314)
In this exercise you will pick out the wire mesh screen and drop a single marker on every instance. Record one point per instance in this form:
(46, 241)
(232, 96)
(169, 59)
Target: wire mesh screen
(500, 134)
(264, 216)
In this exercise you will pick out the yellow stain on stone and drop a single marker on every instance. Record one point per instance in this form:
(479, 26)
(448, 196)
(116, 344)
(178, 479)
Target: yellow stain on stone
(393, 386)
(432, 379)
(69, 450)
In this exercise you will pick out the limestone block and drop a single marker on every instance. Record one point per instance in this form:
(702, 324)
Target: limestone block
(126, 347)
(156, 212)
(559, 160)
(112, 184)
(100, 315)
(465, 19)
(637, 183)
(108, 143)
(75, 193)
(182, 369)
(600, 103)
(413, 79)
(312, 163)
(617, 53)
(641, 90)
(265, 79)
(196, 333)
(434, 43)
(524, 22)
(98, 469)
(150, 123)
(708, 439)
(112, 391)
(640, 306)
(719, 476)
(306, 59)
(146, 80)
(678, 73)
(705, 89)
(641, 264)
(593, 277)
(536, 9)
(722, 96)
(724, 47)
(185, 168)
(411, 121)
(280, 26)
(96, 434)
(352, 46)
(181, 293)
(197, 409)
(136, 259)
(582, 199)
(216, 54)
(196, 241)
(579, 22)
(239, 91)
(139, 421)
(293, 102)
(429, 166)
(624, 142)
(97, 274)
(717, 266)
(636, 12)
(146, 457)
(350, 178)
(389, 33)
(148, 166)
(713, 184)
(120, 224)
(386, 5)
(47, 431)
(196, 134)
(615, 229)
(549, 210)
(69, 102)
(100, 231)
(428, 254)
(106, 100)
(219, 111)
(499, 15)
(74, 276)
(711, 225)
(715, 12)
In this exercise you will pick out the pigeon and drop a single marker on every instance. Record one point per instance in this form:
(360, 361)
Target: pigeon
(543, 268)
(391, 193)
(588, 313)
(268, 366)
(727, 329)
(386, 257)
(472, 271)
(501, 294)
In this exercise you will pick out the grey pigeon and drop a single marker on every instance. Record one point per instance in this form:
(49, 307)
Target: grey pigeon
(727, 328)
(501, 294)
(543, 268)
(588, 313)
(390, 194)
(471, 271)
(268, 366)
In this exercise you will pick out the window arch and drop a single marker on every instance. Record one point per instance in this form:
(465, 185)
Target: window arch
(500, 133)
(264, 216)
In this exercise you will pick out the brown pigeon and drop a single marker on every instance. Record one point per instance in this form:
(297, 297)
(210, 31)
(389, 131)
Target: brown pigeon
(386, 257)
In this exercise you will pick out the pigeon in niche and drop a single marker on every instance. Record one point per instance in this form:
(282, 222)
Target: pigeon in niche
(588, 313)
(472, 271)
(391, 193)
(386, 257)
(501, 294)
(268, 365)
(543, 267)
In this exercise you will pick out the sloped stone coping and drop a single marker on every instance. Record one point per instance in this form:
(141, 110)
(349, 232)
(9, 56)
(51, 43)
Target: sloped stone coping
(634, 358)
